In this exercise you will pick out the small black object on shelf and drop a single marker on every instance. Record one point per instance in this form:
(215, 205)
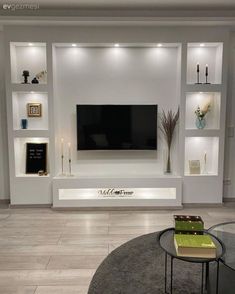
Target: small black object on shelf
(206, 74)
(198, 75)
(25, 75)
(35, 81)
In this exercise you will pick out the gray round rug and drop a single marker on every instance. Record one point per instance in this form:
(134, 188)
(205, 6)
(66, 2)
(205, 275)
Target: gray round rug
(137, 267)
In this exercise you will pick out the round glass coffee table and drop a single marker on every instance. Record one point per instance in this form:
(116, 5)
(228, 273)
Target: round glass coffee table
(166, 241)
(226, 233)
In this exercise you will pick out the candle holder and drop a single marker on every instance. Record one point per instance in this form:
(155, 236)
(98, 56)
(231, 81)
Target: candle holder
(205, 164)
(198, 75)
(206, 74)
(70, 168)
(62, 165)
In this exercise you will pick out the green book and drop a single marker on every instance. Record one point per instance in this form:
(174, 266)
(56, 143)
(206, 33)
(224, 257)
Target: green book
(188, 223)
(194, 246)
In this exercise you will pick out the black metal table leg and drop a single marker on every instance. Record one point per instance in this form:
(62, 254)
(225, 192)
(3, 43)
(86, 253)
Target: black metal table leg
(165, 272)
(171, 274)
(202, 279)
(217, 278)
(207, 275)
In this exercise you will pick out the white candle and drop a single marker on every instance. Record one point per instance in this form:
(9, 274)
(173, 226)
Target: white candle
(62, 146)
(69, 146)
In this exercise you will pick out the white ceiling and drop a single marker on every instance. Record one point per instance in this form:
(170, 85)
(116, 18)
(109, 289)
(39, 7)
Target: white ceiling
(132, 4)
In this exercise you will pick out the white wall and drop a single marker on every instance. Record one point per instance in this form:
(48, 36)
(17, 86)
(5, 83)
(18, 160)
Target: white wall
(114, 76)
(4, 171)
(229, 174)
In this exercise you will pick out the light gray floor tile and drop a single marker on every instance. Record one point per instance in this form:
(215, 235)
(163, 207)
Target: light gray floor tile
(75, 289)
(75, 262)
(23, 262)
(18, 290)
(46, 250)
(46, 277)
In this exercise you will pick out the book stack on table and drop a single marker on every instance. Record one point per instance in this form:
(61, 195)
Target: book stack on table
(189, 238)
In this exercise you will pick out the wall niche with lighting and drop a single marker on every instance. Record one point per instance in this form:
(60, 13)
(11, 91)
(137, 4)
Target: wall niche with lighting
(29, 57)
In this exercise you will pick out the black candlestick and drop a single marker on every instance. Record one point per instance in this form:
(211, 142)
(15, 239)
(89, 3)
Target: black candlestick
(206, 74)
(198, 74)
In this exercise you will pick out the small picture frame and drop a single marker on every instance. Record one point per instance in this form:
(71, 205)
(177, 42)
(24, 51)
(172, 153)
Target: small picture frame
(194, 167)
(34, 109)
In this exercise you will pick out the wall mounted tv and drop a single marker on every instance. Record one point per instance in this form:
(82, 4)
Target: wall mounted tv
(117, 127)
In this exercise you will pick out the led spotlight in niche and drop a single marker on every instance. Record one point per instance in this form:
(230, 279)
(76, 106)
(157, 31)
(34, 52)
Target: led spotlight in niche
(202, 45)
(159, 45)
(30, 44)
(74, 45)
(116, 45)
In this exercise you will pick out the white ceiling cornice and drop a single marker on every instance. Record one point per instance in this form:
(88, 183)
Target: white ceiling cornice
(119, 21)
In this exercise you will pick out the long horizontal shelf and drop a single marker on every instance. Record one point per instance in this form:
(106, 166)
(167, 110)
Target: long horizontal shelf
(201, 175)
(35, 176)
(29, 87)
(30, 133)
(203, 88)
(202, 133)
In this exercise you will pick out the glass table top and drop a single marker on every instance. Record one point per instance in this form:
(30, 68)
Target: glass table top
(226, 233)
(166, 240)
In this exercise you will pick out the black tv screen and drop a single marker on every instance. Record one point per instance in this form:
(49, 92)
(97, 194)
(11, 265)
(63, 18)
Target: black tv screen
(117, 127)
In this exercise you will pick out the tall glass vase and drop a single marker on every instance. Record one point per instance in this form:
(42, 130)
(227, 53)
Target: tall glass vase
(167, 161)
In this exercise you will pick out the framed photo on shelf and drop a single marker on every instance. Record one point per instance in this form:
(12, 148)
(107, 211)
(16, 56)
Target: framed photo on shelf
(194, 167)
(34, 109)
(36, 158)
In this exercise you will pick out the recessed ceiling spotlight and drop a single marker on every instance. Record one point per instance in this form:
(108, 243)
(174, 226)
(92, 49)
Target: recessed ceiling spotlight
(74, 45)
(32, 92)
(159, 45)
(30, 44)
(202, 45)
(116, 45)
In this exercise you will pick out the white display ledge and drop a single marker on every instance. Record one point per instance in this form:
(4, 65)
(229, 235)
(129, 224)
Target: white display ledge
(117, 192)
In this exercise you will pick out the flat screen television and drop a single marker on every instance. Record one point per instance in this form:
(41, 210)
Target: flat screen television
(117, 127)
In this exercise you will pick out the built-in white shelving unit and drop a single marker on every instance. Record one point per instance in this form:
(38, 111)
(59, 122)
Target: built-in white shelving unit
(32, 57)
(81, 69)
(204, 145)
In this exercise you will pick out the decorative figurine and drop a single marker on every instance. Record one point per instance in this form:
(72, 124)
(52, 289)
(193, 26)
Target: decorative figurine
(35, 81)
(25, 75)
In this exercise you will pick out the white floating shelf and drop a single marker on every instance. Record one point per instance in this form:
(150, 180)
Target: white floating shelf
(203, 88)
(41, 88)
(31, 133)
(201, 133)
(202, 175)
(32, 176)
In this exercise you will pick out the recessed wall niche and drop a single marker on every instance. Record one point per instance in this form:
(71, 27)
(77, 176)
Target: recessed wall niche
(144, 74)
(202, 99)
(20, 101)
(30, 57)
(204, 149)
(20, 155)
(204, 54)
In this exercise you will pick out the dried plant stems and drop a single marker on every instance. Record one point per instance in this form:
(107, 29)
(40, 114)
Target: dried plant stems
(168, 123)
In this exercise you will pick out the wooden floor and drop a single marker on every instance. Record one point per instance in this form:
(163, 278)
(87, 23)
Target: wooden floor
(50, 252)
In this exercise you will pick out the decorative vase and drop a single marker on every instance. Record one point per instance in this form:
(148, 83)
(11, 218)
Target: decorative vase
(167, 162)
(200, 122)
(24, 123)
